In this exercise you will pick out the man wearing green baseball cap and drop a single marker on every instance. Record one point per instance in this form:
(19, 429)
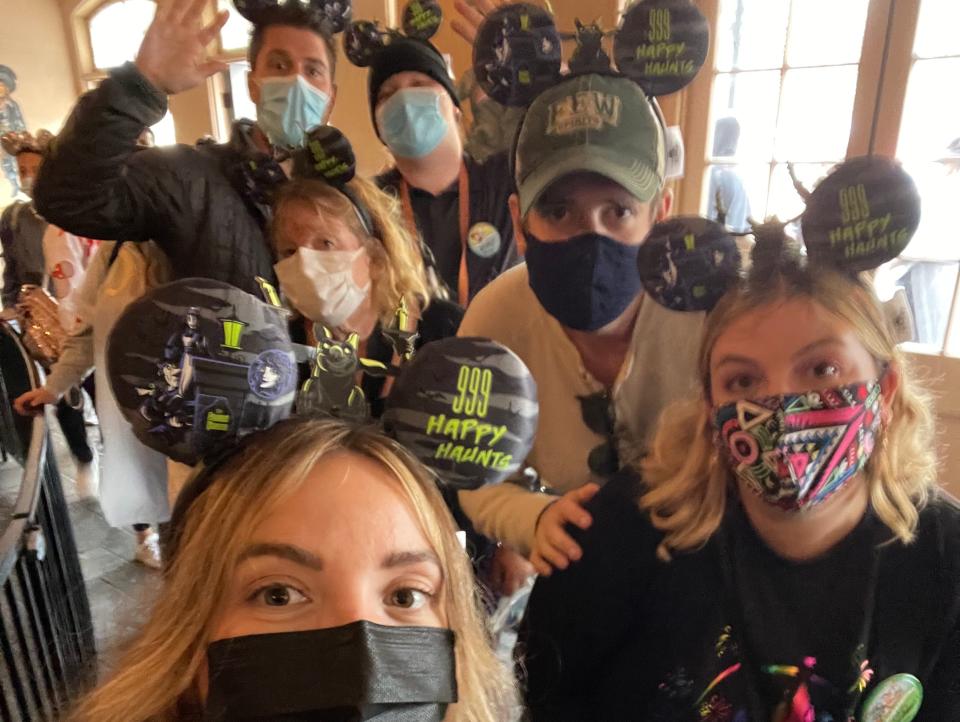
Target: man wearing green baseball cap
(589, 166)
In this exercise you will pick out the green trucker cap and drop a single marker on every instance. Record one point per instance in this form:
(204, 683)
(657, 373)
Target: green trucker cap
(590, 123)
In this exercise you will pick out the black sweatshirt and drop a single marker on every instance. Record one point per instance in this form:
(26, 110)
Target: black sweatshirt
(622, 635)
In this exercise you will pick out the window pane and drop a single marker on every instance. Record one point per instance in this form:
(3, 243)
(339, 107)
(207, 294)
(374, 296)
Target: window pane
(751, 34)
(826, 32)
(742, 189)
(816, 113)
(929, 290)
(752, 99)
(243, 106)
(165, 132)
(117, 30)
(937, 29)
(931, 116)
(785, 203)
(236, 33)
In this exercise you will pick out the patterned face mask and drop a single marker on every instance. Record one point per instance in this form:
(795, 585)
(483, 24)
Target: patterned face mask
(797, 450)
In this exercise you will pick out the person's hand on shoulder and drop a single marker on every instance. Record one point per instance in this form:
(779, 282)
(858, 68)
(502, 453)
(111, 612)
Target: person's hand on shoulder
(173, 54)
(553, 548)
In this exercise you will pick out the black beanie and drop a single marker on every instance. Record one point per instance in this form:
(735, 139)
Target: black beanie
(407, 54)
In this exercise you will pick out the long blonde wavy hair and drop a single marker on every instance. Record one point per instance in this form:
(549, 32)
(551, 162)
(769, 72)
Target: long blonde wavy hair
(157, 679)
(686, 480)
(396, 265)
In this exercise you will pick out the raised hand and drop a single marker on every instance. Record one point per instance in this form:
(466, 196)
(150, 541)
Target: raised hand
(173, 54)
(472, 15)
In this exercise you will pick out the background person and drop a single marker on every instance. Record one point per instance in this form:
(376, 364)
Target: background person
(206, 207)
(457, 205)
(351, 278)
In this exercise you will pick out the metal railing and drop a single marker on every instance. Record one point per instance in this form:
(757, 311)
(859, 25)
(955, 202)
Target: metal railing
(47, 653)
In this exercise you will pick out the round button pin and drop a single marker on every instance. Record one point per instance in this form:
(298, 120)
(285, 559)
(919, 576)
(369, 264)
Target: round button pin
(483, 239)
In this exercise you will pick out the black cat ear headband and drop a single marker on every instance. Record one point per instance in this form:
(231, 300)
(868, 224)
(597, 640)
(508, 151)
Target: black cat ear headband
(197, 366)
(328, 156)
(365, 38)
(335, 14)
(862, 215)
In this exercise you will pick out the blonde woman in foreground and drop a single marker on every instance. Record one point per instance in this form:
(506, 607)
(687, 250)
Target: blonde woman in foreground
(784, 553)
(312, 575)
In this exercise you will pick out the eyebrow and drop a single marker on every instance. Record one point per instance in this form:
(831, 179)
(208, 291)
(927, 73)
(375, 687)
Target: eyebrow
(734, 358)
(300, 556)
(283, 551)
(402, 559)
(826, 341)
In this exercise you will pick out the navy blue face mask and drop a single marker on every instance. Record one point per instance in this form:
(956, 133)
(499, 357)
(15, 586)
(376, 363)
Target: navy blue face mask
(584, 282)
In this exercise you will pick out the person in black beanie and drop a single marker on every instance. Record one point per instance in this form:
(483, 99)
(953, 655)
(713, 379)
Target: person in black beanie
(458, 206)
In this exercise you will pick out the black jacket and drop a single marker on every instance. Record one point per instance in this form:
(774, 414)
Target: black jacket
(189, 200)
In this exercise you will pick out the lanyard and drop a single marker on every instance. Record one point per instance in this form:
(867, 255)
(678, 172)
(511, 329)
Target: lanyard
(463, 183)
(738, 617)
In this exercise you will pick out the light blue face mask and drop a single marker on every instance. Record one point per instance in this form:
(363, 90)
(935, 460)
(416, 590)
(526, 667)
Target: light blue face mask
(411, 123)
(289, 108)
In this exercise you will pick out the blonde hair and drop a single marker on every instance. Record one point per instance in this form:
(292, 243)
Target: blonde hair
(394, 253)
(157, 678)
(686, 479)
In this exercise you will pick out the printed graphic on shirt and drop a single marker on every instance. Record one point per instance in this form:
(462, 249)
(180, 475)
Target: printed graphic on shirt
(484, 239)
(796, 691)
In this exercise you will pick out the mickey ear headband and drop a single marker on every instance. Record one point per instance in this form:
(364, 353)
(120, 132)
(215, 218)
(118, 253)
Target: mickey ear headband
(364, 38)
(328, 156)
(335, 14)
(659, 44)
(198, 365)
(862, 215)
(14, 143)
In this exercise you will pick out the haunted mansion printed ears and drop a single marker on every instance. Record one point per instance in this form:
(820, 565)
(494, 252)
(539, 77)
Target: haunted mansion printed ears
(659, 44)
(862, 215)
(196, 365)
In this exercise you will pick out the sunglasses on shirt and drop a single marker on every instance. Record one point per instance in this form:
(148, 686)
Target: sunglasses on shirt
(597, 412)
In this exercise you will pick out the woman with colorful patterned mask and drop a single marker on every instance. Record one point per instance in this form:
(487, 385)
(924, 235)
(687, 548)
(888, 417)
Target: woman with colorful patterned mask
(787, 555)
(324, 581)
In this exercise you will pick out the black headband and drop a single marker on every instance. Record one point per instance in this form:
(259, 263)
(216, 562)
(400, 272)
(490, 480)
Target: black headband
(328, 156)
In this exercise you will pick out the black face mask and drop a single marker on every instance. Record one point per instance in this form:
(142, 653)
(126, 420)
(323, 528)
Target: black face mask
(584, 282)
(360, 671)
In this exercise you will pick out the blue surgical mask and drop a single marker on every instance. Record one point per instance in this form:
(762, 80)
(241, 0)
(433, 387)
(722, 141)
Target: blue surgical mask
(411, 123)
(289, 108)
(584, 282)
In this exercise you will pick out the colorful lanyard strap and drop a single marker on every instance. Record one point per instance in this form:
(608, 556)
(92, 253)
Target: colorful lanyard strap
(463, 285)
(738, 616)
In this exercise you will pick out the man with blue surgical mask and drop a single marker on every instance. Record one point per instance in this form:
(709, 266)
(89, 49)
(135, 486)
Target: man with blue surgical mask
(207, 207)
(458, 206)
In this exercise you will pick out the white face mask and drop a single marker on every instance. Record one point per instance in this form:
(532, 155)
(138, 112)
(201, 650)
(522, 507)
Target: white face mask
(320, 284)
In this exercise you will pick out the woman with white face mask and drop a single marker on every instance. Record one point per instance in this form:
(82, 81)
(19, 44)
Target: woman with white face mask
(345, 262)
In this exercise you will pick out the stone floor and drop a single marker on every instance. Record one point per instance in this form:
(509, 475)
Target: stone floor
(120, 590)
